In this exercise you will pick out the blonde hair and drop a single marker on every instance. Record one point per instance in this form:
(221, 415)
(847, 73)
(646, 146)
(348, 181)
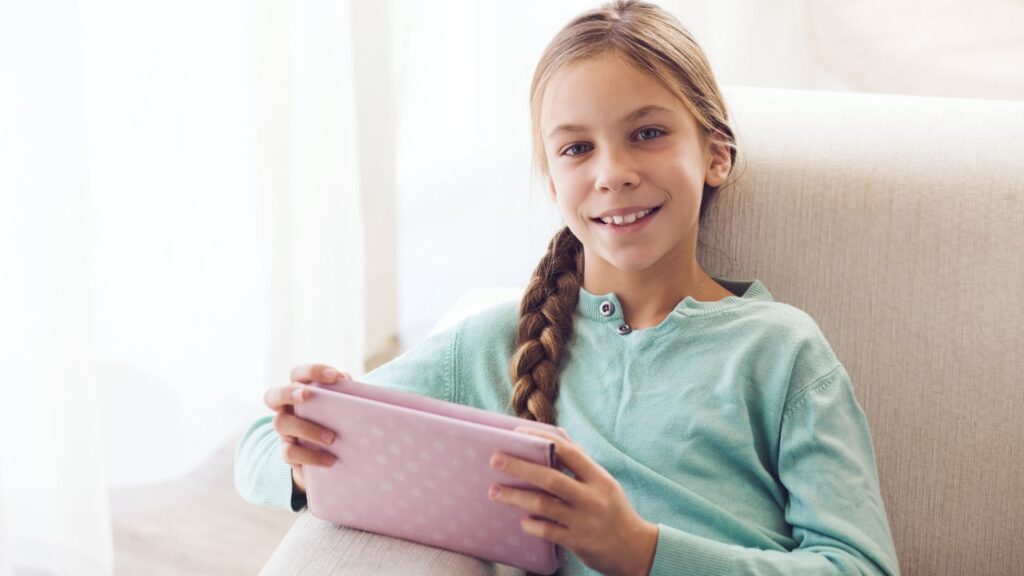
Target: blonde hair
(653, 41)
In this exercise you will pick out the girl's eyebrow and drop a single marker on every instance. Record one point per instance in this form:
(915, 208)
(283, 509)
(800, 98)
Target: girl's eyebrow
(631, 117)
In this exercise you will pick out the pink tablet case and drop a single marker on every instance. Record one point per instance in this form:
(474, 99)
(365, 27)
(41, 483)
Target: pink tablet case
(417, 468)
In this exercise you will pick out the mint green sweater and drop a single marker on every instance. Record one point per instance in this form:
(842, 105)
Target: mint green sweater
(732, 425)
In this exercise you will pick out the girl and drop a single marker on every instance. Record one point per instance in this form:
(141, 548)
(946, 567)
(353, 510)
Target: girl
(714, 430)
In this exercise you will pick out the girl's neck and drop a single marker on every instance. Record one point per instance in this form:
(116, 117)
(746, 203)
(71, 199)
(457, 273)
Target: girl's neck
(648, 296)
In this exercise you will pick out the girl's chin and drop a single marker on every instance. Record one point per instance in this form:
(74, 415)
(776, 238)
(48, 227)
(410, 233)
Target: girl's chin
(629, 260)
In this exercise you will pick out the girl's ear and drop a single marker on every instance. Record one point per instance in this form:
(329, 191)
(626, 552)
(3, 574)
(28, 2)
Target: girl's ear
(719, 162)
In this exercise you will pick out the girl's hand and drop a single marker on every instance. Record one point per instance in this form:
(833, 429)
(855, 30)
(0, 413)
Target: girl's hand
(588, 514)
(289, 426)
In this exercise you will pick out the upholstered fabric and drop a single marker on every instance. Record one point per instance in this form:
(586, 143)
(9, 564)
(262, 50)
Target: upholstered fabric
(897, 223)
(315, 547)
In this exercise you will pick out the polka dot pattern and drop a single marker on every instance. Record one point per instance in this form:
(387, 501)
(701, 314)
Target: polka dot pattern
(424, 477)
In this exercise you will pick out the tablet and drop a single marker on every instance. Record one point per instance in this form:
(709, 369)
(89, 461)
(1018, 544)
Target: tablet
(418, 468)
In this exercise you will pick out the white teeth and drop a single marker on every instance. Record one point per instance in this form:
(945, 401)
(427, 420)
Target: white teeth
(627, 219)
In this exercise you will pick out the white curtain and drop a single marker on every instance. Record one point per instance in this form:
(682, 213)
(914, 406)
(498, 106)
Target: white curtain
(182, 223)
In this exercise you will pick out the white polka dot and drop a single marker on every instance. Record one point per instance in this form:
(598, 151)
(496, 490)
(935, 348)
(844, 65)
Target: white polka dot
(381, 459)
(443, 473)
(426, 456)
(447, 500)
(500, 550)
(408, 439)
(377, 431)
(420, 519)
(432, 509)
(440, 446)
(391, 513)
(470, 453)
(403, 504)
(386, 486)
(398, 476)
(513, 540)
(411, 466)
(416, 492)
(531, 557)
(394, 449)
(364, 442)
(430, 483)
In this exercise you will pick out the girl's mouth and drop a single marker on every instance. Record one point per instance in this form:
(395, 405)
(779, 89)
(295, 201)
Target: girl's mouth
(637, 224)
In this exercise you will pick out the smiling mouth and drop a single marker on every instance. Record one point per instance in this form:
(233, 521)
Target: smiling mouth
(623, 223)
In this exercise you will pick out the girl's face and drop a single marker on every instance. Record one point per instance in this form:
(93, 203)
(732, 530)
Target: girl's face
(618, 142)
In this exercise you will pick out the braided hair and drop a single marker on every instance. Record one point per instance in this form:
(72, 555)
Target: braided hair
(545, 327)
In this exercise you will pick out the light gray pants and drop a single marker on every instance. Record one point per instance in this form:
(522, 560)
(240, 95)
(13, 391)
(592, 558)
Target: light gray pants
(315, 547)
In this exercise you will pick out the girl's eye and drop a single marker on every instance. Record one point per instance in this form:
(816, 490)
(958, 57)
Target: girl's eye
(652, 133)
(567, 151)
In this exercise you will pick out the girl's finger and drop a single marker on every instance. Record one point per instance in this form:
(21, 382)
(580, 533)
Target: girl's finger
(294, 454)
(307, 373)
(280, 397)
(291, 425)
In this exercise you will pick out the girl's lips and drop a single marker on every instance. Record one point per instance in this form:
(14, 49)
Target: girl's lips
(629, 228)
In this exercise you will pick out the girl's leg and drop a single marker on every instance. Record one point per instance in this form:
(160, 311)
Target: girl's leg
(314, 547)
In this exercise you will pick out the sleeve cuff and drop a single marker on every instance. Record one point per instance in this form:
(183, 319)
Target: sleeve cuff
(280, 489)
(680, 553)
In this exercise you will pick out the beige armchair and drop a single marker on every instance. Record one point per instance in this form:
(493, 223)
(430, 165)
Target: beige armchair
(898, 224)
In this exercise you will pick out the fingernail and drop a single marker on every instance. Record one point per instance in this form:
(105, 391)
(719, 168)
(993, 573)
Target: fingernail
(330, 375)
(494, 492)
(498, 462)
(328, 459)
(297, 394)
(327, 437)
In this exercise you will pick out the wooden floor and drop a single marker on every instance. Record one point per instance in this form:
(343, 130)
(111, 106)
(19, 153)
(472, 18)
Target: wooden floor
(196, 526)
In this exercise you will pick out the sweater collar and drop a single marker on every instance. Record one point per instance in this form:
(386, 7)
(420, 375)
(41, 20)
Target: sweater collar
(589, 305)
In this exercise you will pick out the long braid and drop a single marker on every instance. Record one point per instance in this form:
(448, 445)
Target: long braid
(545, 327)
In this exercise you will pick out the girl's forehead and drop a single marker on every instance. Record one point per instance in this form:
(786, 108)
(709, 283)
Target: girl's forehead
(601, 89)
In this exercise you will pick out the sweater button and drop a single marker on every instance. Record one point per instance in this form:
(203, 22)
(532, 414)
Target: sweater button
(625, 329)
(607, 308)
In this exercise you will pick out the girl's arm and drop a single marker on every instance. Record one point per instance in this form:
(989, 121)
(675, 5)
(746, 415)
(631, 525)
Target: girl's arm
(827, 464)
(261, 474)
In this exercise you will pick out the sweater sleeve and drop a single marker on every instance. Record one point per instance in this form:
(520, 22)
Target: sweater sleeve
(261, 474)
(827, 464)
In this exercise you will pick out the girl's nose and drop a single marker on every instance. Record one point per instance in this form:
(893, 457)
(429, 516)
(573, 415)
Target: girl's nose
(615, 173)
